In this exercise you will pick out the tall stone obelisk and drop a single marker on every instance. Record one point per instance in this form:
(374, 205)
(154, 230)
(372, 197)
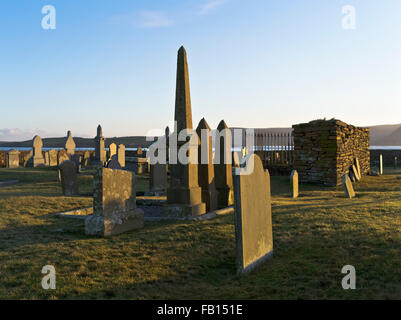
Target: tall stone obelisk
(184, 196)
(100, 152)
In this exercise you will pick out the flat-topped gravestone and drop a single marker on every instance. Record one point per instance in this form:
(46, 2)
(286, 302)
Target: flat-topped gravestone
(13, 159)
(348, 188)
(253, 217)
(46, 157)
(69, 144)
(53, 158)
(223, 166)
(294, 184)
(121, 155)
(37, 159)
(158, 178)
(69, 178)
(206, 177)
(114, 204)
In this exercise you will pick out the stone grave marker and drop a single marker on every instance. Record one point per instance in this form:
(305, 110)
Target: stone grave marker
(113, 163)
(76, 158)
(253, 217)
(69, 144)
(37, 159)
(223, 166)
(69, 178)
(53, 157)
(348, 188)
(121, 155)
(294, 184)
(100, 152)
(62, 156)
(13, 159)
(114, 204)
(112, 150)
(158, 178)
(206, 178)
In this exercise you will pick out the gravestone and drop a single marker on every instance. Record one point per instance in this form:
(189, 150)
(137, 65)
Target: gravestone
(381, 164)
(13, 159)
(37, 159)
(69, 178)
(69, 144)
(46, 157)
(76, 158)
(28, 158)
(223, 166)
(355, 173)
(205, 166)
(253, 217)
(348, 188)
(358, 168)
(113, 163)
(112, 150)
(158, 178)
(121, 155)
(114, 204)
(62, 156)
(294, 184)
(86, 159)
(53, 157)
(184, 196)
(100, 152)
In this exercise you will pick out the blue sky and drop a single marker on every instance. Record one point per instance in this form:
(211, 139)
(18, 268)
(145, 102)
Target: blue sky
(256, 63)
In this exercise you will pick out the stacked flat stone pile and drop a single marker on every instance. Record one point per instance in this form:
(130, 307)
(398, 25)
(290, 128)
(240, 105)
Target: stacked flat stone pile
(324, 150)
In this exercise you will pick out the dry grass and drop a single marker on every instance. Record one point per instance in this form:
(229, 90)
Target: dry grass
(314, 237)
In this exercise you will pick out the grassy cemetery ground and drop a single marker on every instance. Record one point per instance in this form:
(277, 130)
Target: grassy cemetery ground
(314, 237)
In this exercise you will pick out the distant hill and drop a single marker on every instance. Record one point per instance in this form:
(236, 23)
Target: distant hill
(129, 142)
(382, 135)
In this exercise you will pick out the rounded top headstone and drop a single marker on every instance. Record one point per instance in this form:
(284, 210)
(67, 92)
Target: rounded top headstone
(37, 142)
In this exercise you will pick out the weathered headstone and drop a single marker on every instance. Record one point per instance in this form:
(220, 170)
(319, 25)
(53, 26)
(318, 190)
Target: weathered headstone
(37, 159)
(28, 158)
(205, 166)
(121, 155)
(86, 159)
(381, 164)
(13, 159)
(112, 150)
(348, 188)
(62, 156)
(253, 217)
(76, 158)
(69, 144)
(69, 178)
(100, 152)
(158, 178)
(294, 184)
(184, 196)
(114, 204)
(46, 157)
(53, 157)
(223, 166)
(358, 168)
(355, 173)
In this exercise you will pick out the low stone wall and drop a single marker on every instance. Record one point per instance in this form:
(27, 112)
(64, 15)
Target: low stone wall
(324, 150)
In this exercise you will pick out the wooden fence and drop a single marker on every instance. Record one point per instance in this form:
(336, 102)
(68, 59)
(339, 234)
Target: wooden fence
(274, 148)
